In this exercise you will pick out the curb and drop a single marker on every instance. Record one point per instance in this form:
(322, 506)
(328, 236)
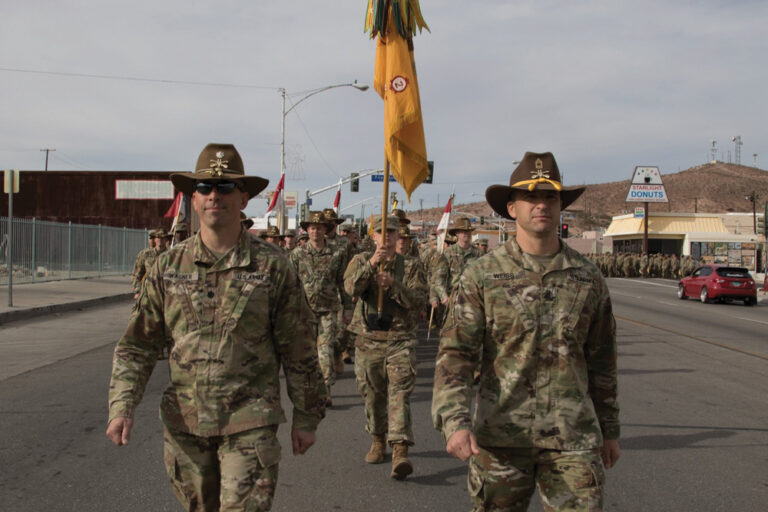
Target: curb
(36, 311)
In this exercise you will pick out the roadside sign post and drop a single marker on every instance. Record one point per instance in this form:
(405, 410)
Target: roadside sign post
(646, 187)
(11, 185)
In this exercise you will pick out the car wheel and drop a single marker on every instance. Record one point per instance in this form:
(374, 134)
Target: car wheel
(749, 301)
(704, 295)
(681, 292)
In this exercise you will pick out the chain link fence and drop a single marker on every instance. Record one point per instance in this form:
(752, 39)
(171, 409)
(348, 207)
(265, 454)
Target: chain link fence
(48, 251)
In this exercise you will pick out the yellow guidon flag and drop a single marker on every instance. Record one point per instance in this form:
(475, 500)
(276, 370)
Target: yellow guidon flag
(395, 23)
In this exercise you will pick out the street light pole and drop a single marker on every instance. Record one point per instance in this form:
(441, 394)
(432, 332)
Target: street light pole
(47, 150)
(355, 84)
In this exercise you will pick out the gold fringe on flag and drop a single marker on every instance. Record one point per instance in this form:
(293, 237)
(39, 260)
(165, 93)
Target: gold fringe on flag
(406, 16)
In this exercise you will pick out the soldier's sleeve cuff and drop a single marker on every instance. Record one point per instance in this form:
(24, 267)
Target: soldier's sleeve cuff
(452, 428)
(611, 431)
(121, 410)
(304, 422)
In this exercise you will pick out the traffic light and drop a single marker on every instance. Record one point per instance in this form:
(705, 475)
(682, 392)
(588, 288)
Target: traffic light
(564, 231)
(482, 220)
(431, 173)
(761, 226)
(354, 185)
(304, 211)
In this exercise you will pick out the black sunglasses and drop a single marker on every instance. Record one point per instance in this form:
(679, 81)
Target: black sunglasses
(222, 187)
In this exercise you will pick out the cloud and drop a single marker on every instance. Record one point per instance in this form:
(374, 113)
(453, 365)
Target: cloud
(604, 85)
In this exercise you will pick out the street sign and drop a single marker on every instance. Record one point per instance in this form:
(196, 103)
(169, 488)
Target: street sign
(646, 186)
(380, 178)
(11, 174)
(639, 212)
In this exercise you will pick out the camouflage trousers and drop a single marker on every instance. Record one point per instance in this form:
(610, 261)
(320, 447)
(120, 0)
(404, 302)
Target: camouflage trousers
(386, 376)
(230, 473)
(504, 479)
(327, 339)
(346, 338)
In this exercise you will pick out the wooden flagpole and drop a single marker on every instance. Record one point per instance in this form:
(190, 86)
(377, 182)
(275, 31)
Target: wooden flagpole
(384, 209)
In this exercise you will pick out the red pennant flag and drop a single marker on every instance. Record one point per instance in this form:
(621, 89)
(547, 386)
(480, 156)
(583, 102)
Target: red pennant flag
(174, 209)
(337, 200)
(276, 197)
(442, 227)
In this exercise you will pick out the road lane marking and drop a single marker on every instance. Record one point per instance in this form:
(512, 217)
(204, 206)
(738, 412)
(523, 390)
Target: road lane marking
(696, 338)
(751, 320)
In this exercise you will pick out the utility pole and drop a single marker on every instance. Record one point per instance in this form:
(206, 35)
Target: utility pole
(753, 197)
(46, 156)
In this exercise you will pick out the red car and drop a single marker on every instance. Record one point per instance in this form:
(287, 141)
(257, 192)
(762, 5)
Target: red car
(718, 282)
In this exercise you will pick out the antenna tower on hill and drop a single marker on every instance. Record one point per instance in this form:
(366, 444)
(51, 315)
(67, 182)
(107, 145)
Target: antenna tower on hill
(737, 142)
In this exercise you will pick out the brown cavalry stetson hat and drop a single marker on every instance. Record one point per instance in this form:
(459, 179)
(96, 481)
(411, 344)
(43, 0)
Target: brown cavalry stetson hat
(536, 170)
(245, 221)
(315, 217)
(218, 162)
(332, 218)
(400, 214)
(461, 224)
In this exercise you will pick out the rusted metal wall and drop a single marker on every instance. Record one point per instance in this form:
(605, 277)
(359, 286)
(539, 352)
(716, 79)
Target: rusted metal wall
(87, 197)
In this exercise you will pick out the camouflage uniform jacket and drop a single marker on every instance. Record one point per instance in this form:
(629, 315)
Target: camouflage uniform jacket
(437, 274)
(458, 259)
(144, 261)
(343, 245)
(322, 275)
(405, 298)
(546, 345)
(233, 321)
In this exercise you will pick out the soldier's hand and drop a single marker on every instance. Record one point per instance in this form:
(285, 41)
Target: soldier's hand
(435, 304)
(119, 430)
(610, 452)
(446, 301)
(462, 445)
(379, 256)
(301, 441)
(384, 280)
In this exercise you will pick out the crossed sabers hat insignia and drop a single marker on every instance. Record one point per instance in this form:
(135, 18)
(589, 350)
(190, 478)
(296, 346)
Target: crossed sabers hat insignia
(218, 165)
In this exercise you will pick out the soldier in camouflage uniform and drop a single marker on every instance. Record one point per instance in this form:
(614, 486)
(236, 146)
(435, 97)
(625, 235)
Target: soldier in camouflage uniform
(321, 271)
(236, 312)
(272, 235)
(536, 317)
(462, 252)
(349, 232)
(139, 266)
(343, 245)
(438, 276)
(385, 355)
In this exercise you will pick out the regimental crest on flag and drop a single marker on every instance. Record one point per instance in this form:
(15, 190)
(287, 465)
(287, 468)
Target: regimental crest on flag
(399, 84)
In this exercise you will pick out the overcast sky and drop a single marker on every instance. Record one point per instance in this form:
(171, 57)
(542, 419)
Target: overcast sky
(604, 85)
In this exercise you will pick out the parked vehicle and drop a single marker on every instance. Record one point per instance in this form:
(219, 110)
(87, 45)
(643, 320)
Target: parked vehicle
(719, 282)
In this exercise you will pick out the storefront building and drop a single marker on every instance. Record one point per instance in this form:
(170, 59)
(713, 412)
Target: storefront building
(704, 236)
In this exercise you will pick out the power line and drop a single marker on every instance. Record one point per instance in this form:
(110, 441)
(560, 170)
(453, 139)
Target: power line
(137, 79)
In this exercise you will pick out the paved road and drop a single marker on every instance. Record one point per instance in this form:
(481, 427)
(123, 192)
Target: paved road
(693, 383)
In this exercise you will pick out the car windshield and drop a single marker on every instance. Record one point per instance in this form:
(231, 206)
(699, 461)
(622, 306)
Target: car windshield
(732, 272)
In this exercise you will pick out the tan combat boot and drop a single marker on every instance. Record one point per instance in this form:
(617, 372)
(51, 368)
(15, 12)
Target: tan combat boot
(401, 466)
(376, 454)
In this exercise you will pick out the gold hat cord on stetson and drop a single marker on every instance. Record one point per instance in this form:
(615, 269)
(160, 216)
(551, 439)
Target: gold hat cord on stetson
(542, 177)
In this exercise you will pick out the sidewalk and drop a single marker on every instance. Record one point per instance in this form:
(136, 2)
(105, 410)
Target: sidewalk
(36, 299)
